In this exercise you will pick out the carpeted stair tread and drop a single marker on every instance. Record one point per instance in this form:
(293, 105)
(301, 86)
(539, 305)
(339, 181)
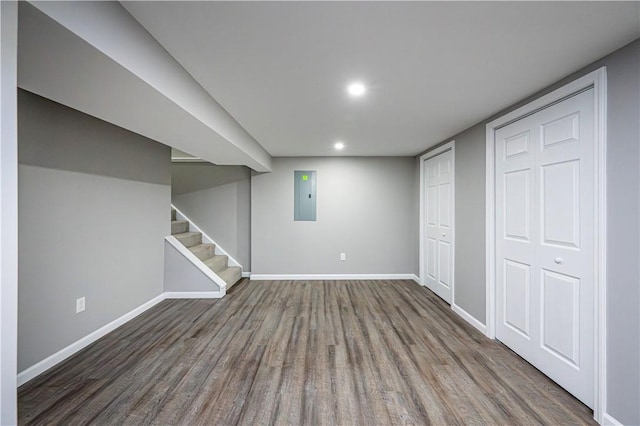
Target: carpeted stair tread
(231, 275)
(217, 263)
(179, 227)
(189, 239)
(203, 251)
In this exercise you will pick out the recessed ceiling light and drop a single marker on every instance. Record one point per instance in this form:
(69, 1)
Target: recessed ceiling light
(339, 146)
(356, 89)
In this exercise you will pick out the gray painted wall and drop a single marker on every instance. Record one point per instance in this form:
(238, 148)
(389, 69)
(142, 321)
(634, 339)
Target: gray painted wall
(623, 226)
(93, 213)
(623, 222)
(470, 221)
(365, 208)
(218, 200)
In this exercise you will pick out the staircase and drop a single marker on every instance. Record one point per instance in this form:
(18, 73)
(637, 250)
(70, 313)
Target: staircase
(218, 263)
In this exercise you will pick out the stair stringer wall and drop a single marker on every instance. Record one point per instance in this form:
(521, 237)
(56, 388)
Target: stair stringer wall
(187, 276)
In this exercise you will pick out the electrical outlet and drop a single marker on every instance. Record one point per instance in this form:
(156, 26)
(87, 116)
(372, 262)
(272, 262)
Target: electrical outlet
(79, 305)
(343, 256)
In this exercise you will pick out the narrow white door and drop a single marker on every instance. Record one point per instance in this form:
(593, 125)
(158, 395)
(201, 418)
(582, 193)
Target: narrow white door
(545, 241)
(439, 224)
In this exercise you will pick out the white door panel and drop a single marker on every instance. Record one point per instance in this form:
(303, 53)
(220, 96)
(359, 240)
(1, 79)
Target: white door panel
(560, 198)
(444, 205)
(517, 295)
(560, 305)
(439, 224)
(516, 144)
(517, 203)
(444, 270)
(432, 208)
(544, 241)
(431, 258)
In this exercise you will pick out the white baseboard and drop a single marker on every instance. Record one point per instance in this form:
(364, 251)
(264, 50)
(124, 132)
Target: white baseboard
(51, 361)
(608, 420)
(312, 277)
(246, 274)
(193, 295)
(468, 318)
(417, 280)
(58, 357)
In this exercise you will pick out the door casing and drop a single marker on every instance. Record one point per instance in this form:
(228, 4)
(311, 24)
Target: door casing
(449, 146)
(598, 80)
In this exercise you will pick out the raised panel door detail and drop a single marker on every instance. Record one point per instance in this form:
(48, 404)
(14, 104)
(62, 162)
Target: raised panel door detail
(444, 204)
(432, 208)
(432, 170)
(445, 166)
(516, 144)
(431, 257)
(516, 205)
(517, 296)
(561, 316)
(560, 193)
(444, 251)
(562, 130)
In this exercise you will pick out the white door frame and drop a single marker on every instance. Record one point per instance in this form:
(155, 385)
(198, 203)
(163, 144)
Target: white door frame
(449, 146)
(598, 80)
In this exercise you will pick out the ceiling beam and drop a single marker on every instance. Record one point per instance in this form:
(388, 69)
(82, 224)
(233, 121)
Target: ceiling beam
(96, 58)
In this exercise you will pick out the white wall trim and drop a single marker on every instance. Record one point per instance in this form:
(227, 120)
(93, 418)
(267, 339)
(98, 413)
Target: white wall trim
(598, 80)
(608, 420)
(311, 277)
(449, 146)
(180, 248)
(246, 274)
(490, 218)
(187, 160)
(8, 211)
(205, 238)
(193, 294)
(58, 357)
(469, 318)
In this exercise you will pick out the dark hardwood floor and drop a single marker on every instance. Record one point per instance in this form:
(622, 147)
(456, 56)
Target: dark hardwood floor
(299, 352)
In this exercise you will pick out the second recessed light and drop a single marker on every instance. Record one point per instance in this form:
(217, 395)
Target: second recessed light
(339, 146)
(356, 89)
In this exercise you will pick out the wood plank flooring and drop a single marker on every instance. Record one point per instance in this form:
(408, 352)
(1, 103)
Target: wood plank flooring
(299, 352)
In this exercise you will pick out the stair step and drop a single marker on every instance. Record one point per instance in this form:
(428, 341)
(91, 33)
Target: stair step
(203, 251)
(179, 227)
(189, 239)
(173, 214)
(231, 275)
(217, 263)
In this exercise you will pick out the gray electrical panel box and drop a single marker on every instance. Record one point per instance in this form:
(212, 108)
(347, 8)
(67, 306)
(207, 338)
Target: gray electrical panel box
(304, 197)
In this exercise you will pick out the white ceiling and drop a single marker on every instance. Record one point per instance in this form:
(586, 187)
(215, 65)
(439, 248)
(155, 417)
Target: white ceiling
(432, 68)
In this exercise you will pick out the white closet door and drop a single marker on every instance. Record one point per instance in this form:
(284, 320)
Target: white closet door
(439, 224)
(545, 241)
